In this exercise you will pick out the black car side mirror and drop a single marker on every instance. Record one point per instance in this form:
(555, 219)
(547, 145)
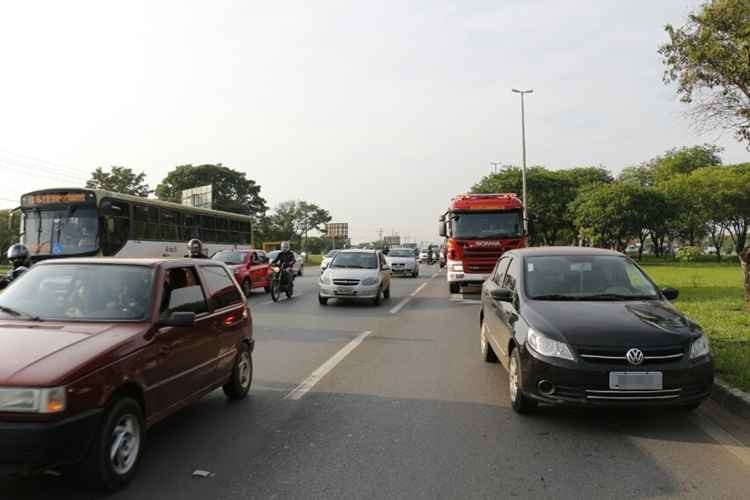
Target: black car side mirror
(670, 293)
(502, 294)
(178, 320)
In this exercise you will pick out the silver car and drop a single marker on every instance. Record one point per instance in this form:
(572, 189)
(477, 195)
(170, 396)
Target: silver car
(356, 274)
(403, 261)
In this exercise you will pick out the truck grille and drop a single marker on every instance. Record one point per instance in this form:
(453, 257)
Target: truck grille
(481, 260)
(616, 356)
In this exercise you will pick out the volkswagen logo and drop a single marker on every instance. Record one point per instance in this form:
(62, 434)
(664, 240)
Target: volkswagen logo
(634, 356)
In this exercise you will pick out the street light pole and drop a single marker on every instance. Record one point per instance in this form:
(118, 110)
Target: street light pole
(523, 144)
(495, 164)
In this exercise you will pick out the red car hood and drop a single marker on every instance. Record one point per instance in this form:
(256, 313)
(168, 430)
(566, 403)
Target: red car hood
(42, 353)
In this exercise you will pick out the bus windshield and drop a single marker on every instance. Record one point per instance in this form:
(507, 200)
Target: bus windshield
(62, 231)
(483, 225)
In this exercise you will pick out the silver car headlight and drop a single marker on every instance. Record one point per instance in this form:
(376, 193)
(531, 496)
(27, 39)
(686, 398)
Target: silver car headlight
(325, 279)
(30, 400)
(700, 347)
(548, 347)
(370, 281)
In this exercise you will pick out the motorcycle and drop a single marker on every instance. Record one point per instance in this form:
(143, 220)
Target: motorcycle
(279, 284)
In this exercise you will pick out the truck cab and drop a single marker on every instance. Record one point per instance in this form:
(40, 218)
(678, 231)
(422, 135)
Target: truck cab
(478, 229)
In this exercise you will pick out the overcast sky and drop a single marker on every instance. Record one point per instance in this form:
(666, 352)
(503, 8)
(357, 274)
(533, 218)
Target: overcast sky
(379, 111)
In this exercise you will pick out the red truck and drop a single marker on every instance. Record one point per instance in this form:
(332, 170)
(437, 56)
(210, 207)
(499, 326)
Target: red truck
(478, 229)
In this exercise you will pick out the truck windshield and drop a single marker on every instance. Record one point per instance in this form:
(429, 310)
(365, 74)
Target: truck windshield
(483, 225)
(64, 231)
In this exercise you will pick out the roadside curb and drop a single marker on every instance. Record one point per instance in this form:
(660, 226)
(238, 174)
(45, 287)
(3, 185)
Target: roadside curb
(734, 400)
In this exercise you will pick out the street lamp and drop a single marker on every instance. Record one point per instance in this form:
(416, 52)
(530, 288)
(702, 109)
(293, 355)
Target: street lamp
(523, 143)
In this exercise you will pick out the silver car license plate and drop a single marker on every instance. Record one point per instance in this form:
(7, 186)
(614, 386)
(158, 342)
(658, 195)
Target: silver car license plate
(344, 290)
(635, 381)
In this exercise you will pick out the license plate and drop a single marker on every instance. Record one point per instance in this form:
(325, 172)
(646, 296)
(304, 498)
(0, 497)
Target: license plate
(344, 291)
(635, 381)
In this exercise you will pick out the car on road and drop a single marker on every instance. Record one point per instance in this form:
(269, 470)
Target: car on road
(356, 274)
(327, 258)
(299, 262)
(250, 267)
(423, 256)
(583, 326)
(97, 350)
(403, 262)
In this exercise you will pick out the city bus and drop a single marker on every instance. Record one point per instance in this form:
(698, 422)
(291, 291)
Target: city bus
(68, 222)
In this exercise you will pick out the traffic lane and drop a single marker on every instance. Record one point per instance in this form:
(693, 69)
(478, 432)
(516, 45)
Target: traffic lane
(415, 412)
(305, 334)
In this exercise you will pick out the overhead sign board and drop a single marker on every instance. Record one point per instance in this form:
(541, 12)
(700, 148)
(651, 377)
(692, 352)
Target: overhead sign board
(392, 240)
(337, 230)
(198, 197)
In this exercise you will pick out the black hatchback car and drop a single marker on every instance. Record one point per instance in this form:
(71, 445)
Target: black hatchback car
(584, 326)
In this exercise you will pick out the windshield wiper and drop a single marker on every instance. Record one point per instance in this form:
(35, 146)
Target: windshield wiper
(555, 296)
(13, 312)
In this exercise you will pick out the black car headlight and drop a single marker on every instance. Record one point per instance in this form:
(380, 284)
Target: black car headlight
(548, 347)
(700, 347)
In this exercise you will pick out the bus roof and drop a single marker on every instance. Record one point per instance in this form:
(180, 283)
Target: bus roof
(100, 194)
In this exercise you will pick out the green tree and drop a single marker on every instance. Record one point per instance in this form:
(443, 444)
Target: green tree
(120, 180)
(8, 235)
(709, 60)
(292, 220)
(549, 193)
(678, 161)
(609, 215)
(232, 190)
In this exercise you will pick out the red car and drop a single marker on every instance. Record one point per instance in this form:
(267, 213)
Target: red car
(96, 350)
(251, 268)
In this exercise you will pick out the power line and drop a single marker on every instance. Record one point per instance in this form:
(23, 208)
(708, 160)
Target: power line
(39, 160)
(49, 170)
(56, 176)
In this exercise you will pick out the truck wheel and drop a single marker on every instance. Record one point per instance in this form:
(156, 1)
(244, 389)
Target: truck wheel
(454, 287)
(242, 374)
(116, 451)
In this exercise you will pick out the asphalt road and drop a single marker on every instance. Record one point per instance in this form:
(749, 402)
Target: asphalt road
(410, 411)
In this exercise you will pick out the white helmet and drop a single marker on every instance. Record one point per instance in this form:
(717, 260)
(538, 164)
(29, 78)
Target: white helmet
(285, 246)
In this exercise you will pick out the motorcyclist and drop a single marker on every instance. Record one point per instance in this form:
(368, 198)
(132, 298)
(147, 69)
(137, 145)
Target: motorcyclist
(286, 260)
(20, 261)
(195, 249)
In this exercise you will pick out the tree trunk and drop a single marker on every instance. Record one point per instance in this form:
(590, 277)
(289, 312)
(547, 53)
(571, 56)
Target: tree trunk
(745, 265)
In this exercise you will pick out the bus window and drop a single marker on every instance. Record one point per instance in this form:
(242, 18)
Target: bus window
(116, 230)
(170, 226)
(222, 223)
(146, 223)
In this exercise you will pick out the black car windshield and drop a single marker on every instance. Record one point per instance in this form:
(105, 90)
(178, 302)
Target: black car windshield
(230, 258)
(586, 277)
(401, 252)
(80, 292)
(356, 260)
(65, 231)
(479, 225)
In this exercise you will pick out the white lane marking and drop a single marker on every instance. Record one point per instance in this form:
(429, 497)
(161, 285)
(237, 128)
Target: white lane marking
(725, 439)
(326, 367)
(395, 309)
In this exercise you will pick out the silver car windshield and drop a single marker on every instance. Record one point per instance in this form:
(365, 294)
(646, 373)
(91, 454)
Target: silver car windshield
(355, 261)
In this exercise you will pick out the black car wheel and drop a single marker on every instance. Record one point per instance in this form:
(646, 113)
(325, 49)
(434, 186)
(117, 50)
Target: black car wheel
(242, 374)
(247, 287)
(117, 449)
(454, 287)
(322, 300)
(488, 354)
(520, 402)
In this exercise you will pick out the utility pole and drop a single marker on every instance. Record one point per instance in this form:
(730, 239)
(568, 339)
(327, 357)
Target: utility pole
(523, 145)
(495, 165)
